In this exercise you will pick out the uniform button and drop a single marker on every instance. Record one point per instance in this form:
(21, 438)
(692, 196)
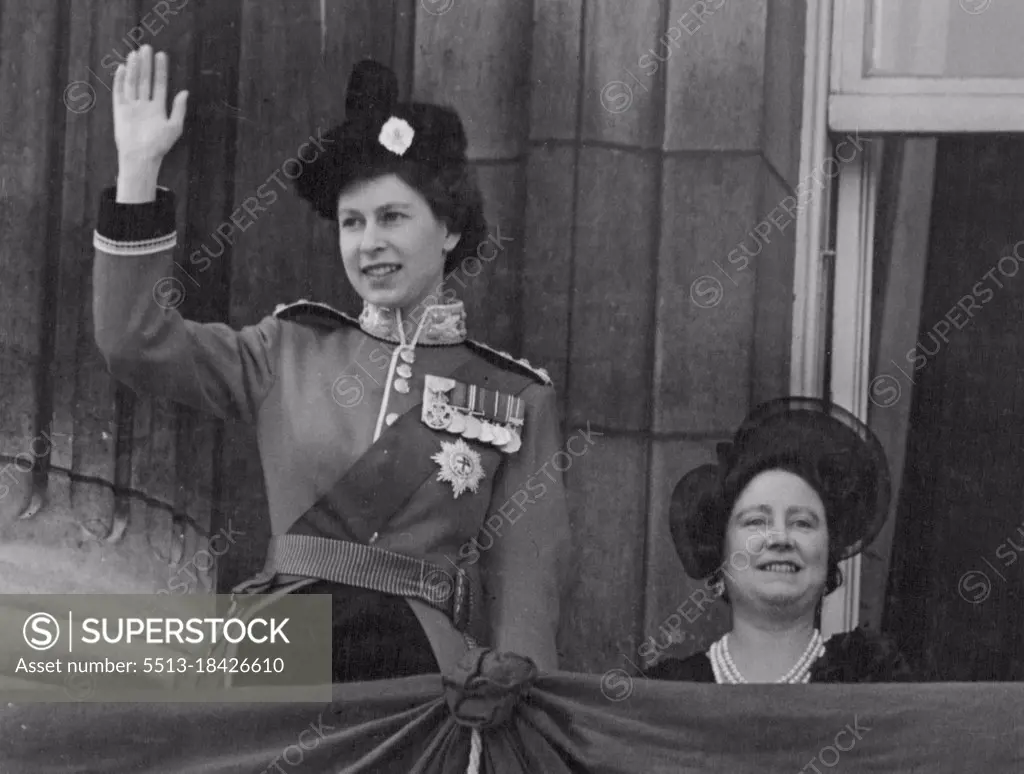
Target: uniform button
(391, 419)
(407, 355)
(404, 371)
(401, 386)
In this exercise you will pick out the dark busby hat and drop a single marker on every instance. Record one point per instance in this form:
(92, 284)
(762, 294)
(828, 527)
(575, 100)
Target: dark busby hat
(829, 447)
(378, 134)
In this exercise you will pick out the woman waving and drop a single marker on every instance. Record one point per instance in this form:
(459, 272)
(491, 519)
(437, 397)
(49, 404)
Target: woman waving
(387, 439)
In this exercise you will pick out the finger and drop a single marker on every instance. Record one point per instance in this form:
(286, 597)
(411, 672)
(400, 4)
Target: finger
(160, 81)
(145, 72)
(178, 110)
(131, 91)
(118, 88)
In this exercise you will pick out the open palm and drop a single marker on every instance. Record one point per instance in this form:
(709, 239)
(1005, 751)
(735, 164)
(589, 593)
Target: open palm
(142, 129)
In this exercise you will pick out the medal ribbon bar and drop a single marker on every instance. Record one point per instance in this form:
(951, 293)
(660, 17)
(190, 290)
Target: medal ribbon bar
(490, 405)
(473, 412)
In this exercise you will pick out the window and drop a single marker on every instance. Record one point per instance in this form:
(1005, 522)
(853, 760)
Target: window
(927, 66)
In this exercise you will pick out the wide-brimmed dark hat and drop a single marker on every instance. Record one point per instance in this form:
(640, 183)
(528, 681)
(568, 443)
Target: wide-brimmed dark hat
(377, 131)
(822, 442)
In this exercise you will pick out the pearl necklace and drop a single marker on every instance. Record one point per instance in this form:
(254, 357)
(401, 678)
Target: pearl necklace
(726, 672)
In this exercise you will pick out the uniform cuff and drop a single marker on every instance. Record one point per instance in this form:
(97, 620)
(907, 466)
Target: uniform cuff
(135, 229)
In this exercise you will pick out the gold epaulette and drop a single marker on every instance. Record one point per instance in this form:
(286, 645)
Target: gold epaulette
(308, 312)
(508, 361)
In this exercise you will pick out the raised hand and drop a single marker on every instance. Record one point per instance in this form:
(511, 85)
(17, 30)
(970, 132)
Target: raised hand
(142, 130)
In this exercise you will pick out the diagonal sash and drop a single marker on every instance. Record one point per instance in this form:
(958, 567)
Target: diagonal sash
(393, 468)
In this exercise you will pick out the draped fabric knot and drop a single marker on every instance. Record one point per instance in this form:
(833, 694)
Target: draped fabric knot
(486, 686)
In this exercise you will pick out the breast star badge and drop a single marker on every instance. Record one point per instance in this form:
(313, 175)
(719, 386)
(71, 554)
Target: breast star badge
(461, 466)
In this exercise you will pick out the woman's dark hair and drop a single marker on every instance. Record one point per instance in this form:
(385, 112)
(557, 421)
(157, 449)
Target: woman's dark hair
(710, 526)
(452, 193)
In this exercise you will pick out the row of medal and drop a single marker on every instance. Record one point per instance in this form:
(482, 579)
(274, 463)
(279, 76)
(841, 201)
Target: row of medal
(440, 414)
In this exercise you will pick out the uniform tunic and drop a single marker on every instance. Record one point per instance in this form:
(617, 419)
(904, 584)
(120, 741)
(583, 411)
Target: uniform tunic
(313, 382)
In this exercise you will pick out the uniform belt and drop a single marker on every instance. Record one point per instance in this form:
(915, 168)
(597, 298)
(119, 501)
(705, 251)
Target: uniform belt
(368, 567)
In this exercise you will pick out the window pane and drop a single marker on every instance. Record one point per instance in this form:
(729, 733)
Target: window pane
(945, 38)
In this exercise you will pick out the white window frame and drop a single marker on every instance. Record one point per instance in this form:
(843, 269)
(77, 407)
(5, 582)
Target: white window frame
(840, 97)
(860, 101)
(851, 308)
(856, 204)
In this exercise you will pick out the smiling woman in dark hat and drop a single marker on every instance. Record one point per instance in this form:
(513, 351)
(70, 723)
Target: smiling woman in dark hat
(803, 485)
(387, 440)
(406, 161)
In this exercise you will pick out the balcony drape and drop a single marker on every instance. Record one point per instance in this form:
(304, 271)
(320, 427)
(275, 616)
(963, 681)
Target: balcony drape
(562, 723)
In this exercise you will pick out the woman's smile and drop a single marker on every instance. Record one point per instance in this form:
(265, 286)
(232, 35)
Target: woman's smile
(381, 271)
(786, 568)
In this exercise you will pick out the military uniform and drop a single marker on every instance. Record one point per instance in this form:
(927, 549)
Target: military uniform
(382, 455)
